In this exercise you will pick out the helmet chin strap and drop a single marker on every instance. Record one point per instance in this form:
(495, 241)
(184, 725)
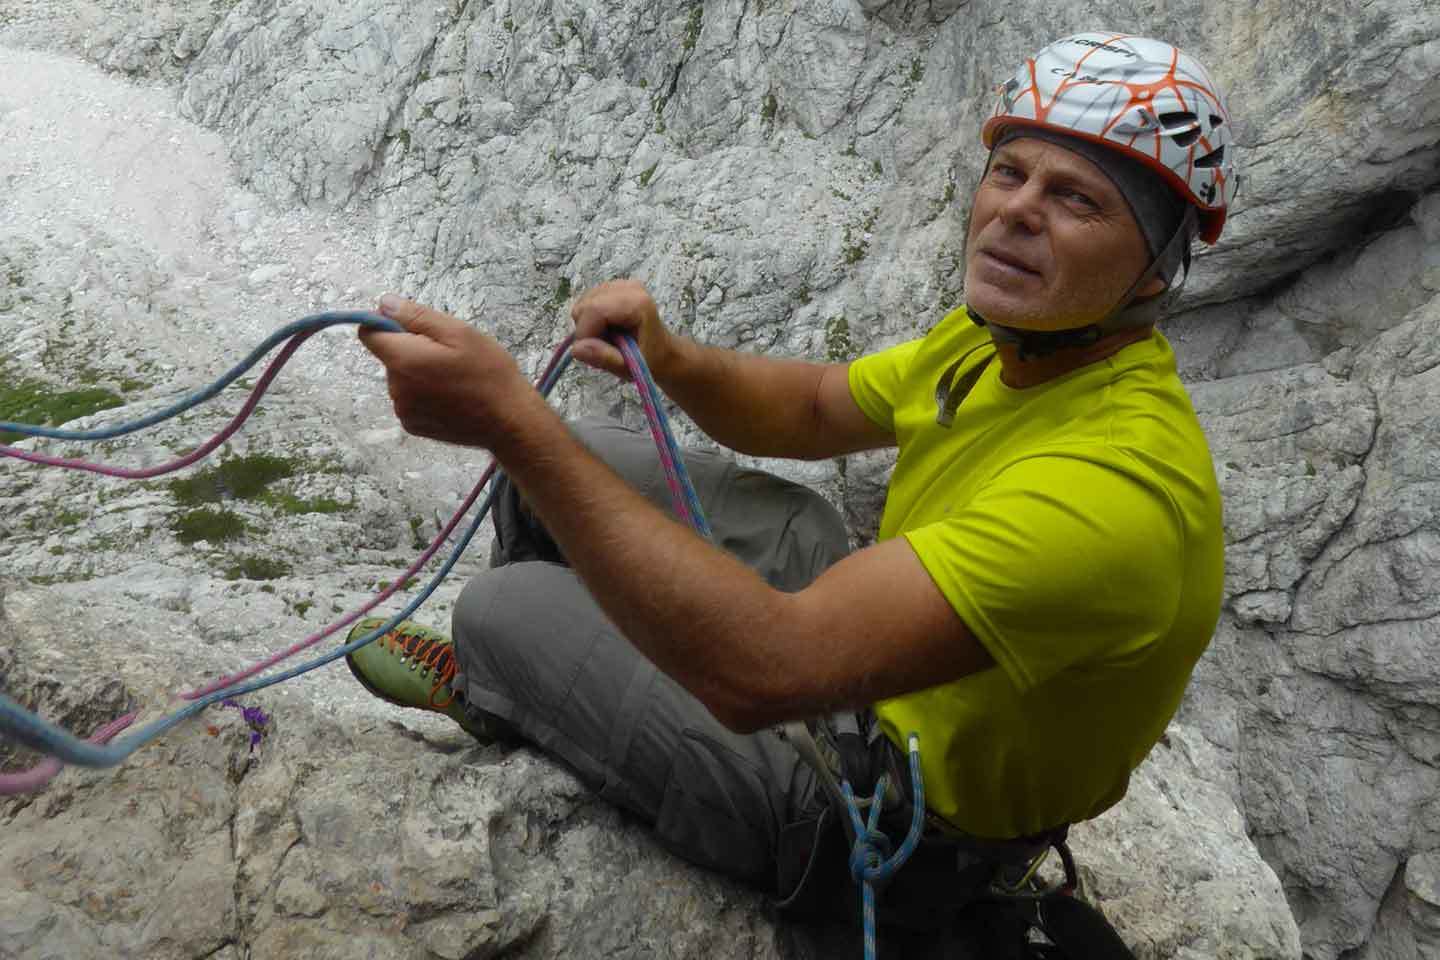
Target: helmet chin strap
(1125, 315)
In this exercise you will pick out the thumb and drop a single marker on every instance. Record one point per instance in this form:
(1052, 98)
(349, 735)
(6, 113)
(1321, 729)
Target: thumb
(417, 318)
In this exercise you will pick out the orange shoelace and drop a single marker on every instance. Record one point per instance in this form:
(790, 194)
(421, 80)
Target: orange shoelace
(427, 654)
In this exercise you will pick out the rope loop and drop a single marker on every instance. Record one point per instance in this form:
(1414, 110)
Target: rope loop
(871, 862)
(61, 747)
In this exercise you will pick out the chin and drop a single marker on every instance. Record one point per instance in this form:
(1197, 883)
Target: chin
(1004, 310)
(995, 306)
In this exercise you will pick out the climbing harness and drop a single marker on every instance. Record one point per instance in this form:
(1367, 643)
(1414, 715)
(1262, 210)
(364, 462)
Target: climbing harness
(61, 747)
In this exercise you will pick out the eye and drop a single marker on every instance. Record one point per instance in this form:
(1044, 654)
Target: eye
(1084, 199)
(1005, 171)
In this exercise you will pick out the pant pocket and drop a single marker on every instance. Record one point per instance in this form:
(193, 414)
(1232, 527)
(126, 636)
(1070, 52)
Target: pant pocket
(716, 811)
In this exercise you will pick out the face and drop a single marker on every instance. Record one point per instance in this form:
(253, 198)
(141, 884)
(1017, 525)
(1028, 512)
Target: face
(1052, 243)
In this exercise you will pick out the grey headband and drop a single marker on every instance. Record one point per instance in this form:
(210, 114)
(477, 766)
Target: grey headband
(1157, 208)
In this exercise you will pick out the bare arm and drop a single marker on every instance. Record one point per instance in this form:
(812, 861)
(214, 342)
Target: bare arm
(753, 404)
(874, 625)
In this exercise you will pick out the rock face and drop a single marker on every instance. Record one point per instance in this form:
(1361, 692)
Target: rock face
(786, 177)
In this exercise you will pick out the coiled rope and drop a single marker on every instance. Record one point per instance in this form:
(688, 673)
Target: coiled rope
(871, 863)
(61, 747)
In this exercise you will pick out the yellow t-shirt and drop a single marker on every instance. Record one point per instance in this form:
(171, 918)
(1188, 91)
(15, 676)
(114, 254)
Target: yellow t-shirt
(1075, 528)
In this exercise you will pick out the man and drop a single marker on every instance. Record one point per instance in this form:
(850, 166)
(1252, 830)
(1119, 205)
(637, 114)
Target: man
(1049, 563)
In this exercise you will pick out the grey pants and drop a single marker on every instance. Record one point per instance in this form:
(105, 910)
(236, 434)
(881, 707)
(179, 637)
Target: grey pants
(536, 652)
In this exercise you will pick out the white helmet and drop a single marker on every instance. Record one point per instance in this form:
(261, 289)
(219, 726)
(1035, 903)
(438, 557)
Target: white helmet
(1144, 97)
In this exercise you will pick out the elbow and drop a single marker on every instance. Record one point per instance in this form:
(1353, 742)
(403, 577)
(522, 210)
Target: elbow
(739, 714)
(749, 705)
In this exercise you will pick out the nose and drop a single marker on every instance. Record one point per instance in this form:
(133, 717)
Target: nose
(1022, 207)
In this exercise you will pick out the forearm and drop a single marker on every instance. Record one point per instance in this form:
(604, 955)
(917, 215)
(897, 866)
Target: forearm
(695, 611)
(755, 405)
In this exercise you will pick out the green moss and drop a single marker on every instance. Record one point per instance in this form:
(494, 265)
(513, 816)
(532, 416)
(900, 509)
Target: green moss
(855, 247)
(646, 175)
(417, 534)
(769, 108)
(216, 526)
(69, 518)
(301, 607)
(839, 348)
(257, 568)
(562, 292)
(33, 402)
(509, 25)
(288, 503)
(242, 478)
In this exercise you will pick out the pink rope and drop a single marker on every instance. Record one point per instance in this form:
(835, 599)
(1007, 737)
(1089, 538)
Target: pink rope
(199, 453)
(28, 781)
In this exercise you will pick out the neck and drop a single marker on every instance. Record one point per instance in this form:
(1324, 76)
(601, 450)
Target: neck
(1032, 371)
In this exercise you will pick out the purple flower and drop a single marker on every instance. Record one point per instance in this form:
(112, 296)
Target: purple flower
(255, 718)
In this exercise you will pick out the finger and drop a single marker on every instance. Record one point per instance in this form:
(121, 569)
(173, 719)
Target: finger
(601, 356)
(419, 319)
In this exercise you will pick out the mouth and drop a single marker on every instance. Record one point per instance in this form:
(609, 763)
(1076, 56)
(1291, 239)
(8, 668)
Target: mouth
(1009, 260)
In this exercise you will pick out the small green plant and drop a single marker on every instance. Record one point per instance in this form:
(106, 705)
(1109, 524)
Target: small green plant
(257, 568)
(216, 526)
(769, 108)
(417, 534)
(917, 72)
(562, 292)
(692, 27)
(647, 174)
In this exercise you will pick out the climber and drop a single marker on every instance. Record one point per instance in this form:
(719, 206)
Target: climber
(1049, 561)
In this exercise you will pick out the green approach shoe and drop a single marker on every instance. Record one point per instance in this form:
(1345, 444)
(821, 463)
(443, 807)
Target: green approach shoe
(411, 666)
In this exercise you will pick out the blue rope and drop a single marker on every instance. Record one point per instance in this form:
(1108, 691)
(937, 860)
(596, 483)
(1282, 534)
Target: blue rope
(318, 321)
(646, 382)
(45, 737)
(871, 862)
(37, 734)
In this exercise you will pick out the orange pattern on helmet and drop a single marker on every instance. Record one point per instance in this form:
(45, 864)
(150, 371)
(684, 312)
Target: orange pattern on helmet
(1142, 96)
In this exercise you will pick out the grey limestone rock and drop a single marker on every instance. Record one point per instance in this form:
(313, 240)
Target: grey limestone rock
(788, 178)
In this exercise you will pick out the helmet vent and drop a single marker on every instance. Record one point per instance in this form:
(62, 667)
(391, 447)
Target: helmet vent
(1213, 159)
(1215, 121)
(1181, 126)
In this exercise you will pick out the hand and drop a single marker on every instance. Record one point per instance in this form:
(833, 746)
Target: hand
(627, 306)
(448, 381)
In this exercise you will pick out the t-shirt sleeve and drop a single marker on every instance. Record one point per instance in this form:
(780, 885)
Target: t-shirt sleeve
(875, 381)
(1059, 561)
